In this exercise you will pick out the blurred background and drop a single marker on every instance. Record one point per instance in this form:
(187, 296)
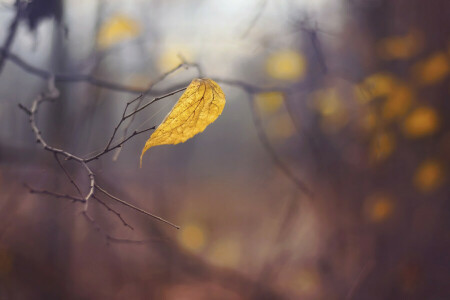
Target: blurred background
(326, 176)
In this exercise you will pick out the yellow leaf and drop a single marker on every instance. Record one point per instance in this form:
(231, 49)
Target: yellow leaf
(400, 47)
(226, 252)
(379, 85)
(200, 105)
(269, 102)
(382, 146)
(421, 122)
(379, 207)
(433, 69)
(192, 237)
(281, 127)
(429, 175)
(397, 103)
(305, 282)
(328, 102)
(286, 65)
(117, 29)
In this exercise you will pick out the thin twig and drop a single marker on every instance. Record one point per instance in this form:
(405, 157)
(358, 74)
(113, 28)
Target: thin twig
(114, 212)
(54, 194)
(255, 19)
(67, 174)
(135, 207)
(52, 94)
(107, 236)
(44, 74)
(272, 153)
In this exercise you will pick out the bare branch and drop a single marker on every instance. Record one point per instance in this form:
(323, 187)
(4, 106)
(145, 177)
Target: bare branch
(107, 236)
(272, 153)
(82, 77)
(67, 174)
(135, 207)
(53, 194)
(114, 212)
(262, 6)
(52, 94)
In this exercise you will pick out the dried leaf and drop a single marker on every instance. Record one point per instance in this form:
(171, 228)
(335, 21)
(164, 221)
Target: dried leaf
(199, 106)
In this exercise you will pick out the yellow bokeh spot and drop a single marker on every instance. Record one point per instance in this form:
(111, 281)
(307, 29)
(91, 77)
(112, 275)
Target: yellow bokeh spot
(117, 29)
(280, 127)
(333, 111)
(327, 102)
(286, 65)
(397, 103)
(400, 47)
(429, 176)
(172, 57)
(421, 122)
(379, 84)
(379, 207)
(192, 237)
(306, 281)
(225, 253)
(269, 102)
(382, 146)
(432, 70)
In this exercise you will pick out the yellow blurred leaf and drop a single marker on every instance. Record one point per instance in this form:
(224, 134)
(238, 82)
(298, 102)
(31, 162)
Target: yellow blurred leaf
(421, 122)
(225, 253)
(433, 69)
(192, 237)
(200, 105)
(379, 84)
(327, 102)
(382, 146)
(332, 109)
(305, 282)
(281, 127)
(429, 175)
(379, 207)
(269, 102)
(397, 103)
(117, 29)
(400, 47)
(286, 65)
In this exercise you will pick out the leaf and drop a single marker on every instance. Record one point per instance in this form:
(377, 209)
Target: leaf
(429, 175)
(192, 237)
(422, 121)
(200, 105)
(432, 70)
(269, 102)
(117, 29)
(287, 65)
(400, 47)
